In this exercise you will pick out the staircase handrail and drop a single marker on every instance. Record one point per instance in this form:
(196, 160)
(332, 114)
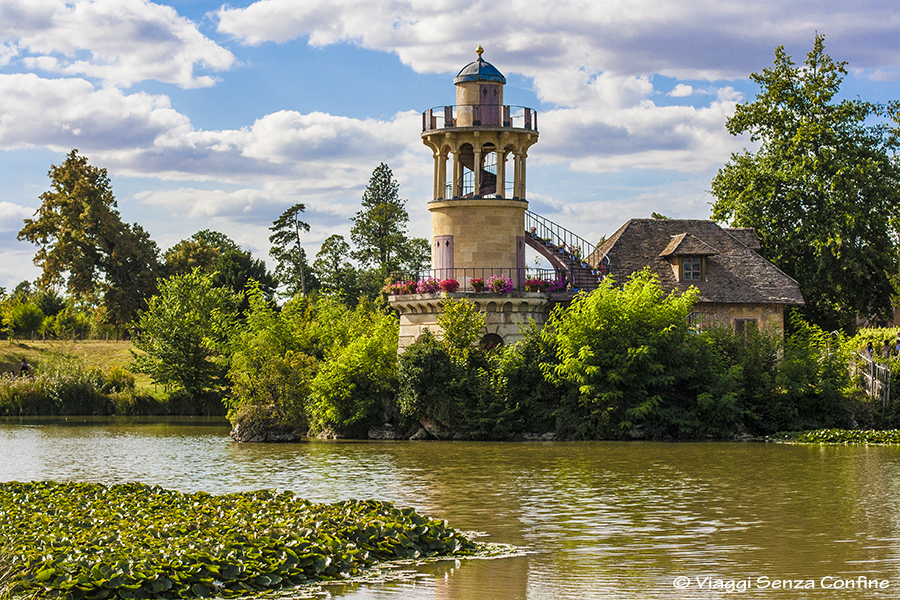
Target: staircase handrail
(576, 246)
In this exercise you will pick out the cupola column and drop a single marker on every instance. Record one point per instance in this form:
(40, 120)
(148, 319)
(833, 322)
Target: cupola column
(476, 191)
(501, 173)
(456, 185)
(436, 179)
(442, 176)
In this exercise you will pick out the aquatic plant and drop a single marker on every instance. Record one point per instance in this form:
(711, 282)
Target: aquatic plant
(90, 541)
(849, 436)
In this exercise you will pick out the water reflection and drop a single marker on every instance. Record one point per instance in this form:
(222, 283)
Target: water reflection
(595, 520)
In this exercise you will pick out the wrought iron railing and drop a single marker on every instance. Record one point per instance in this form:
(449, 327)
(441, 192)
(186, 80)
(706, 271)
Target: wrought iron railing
(876, 379)
(474, 280)
(480, 115)
(556, 237)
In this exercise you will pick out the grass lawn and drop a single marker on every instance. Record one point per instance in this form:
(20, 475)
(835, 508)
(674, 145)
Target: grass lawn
(97, 353)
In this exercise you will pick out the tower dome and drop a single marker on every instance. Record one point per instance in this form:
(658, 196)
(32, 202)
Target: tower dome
(479, 70)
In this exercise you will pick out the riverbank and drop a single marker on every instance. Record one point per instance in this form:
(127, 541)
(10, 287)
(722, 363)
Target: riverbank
(134, 541)
(839, 436)
(99, 354)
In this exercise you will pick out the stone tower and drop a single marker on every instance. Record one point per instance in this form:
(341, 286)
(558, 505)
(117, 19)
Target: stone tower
(477, 215)
(478, 211)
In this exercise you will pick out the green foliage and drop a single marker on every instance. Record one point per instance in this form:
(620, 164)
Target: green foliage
(235, 269)
(286, 249)
(189, 254)
(23, 318)
(498, 394)
(814, 377)
(431, 383)
(49, 302)
(822, 191)
(81, 239)
(335, 273)
(356, 384)
(532, 400)
(183, 332)
(67, 323)
(269, 372)
(317, 365)
(148, 542)
(845, 436)
(64, 385)
(627, 360)
(462, 325)
(379, 228)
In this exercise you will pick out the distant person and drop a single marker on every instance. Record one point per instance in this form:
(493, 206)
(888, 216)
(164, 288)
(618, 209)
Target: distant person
(24, 369)
(886, 349)
(869, 350)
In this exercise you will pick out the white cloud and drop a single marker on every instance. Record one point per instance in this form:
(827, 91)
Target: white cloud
(117, 41)
(709, 39)
(70, 113)
(681, 91)
(11, 216)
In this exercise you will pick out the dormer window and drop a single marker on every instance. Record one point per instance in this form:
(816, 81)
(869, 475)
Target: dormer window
(687, 255)
(692, 268)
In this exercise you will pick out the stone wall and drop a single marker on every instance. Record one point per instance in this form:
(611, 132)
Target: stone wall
(485, 230)
(503, 315)
(769, 316)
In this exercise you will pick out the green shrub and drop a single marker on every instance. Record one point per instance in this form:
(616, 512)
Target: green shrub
(65, 385)
(24, 318)
(629, 365)
(431, 384)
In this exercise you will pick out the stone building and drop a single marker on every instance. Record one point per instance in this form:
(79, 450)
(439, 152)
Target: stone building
(479, 213)
(737, 286)
(481, 225)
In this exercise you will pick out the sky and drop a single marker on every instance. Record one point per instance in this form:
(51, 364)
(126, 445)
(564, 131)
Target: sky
(221, 116)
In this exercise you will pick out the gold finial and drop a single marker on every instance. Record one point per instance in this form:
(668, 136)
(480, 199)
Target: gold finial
(479, 51)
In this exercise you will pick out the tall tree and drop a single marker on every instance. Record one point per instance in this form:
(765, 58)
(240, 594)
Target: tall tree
(822, 191)
(287, 249)
(83, 242)
(215, 253)
(333, 269)
(379, 228)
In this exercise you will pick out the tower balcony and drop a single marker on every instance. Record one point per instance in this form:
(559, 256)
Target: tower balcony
(479, 115)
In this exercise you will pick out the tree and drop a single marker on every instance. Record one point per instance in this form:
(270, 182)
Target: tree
(287, 250)
(183, 331)
(188, 254)
(379, 229)
(83, 241)
(216, 253)
(822, 191)
(332, 268)
(417, 255)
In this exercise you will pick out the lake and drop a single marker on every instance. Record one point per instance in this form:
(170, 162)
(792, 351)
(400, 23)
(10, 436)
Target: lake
(592, 520)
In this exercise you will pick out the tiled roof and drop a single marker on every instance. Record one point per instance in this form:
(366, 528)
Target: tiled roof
(684, 244)
(734, 272)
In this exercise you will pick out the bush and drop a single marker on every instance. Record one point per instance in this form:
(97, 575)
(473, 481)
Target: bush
(356, 385)
(65, 385)
(629, 365)
(24, 318)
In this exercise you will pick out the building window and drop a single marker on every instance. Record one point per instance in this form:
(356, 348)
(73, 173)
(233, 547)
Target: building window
(743, 325)
(700, 321)
(692, 268)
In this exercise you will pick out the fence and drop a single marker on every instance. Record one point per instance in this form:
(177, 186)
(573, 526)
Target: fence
(476, 279)
(876, 379)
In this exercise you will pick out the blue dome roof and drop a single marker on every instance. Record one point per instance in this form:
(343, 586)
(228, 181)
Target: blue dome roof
(479, 70)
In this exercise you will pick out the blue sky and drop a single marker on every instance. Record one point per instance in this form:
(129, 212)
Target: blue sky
(220, 116)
